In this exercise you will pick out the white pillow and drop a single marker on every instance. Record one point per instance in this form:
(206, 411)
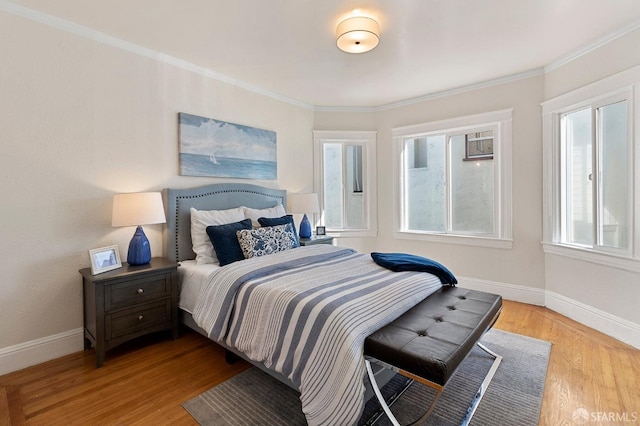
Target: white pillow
(255, 214)
(200, 219)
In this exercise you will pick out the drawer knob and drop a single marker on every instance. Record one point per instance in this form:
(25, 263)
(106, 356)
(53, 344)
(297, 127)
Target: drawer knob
(140, 291)
(140, 317)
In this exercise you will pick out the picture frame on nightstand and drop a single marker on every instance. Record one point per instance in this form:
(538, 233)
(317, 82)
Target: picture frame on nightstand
(104, 259)
(321, 230)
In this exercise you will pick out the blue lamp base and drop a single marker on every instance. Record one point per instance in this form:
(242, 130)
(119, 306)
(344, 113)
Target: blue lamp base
(139, 249)
(305, 228)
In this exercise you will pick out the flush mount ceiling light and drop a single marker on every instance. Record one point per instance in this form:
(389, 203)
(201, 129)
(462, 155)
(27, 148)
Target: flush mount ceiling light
(358, 34)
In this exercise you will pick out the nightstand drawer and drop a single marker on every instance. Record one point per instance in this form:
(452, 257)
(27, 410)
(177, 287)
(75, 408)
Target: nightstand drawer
(129, 302)
(132, 320)
(138, 291)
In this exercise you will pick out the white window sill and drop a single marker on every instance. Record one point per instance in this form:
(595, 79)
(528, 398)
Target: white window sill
(590, 256)
(467, 240)
(352, 234)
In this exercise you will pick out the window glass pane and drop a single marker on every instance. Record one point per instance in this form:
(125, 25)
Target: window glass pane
(332, 190)
(579, 192)
(471, 190)
(425, 190)
(417, 155)
(613, 200)
(354, 167)
(354, 198)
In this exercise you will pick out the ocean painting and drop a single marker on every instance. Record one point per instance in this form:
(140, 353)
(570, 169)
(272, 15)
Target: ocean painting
(216, 148)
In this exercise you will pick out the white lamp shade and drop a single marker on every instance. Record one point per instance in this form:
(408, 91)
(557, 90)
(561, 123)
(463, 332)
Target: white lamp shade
(303, 203)
(358, 34)
(142, 208)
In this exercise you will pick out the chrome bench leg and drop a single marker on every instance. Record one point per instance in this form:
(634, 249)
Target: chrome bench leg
(484, 385)
(376, 390)
(472, 407)
(383, 403)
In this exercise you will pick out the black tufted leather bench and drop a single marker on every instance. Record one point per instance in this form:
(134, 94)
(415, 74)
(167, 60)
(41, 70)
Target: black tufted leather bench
(428, 342)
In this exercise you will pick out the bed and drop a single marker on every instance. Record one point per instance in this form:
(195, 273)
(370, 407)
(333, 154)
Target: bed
(301, 315)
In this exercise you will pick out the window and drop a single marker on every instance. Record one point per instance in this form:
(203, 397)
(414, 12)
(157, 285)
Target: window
(454, 180)
(479, 145)
(345, 181)
(595, 175)
(589, 175)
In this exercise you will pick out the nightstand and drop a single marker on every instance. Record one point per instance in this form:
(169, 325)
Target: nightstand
(129, 302)
(316, 239)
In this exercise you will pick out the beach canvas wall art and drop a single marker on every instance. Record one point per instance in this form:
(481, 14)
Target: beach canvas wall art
(210, 147)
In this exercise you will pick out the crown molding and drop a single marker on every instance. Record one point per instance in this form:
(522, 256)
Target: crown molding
(588, 48)
(100, 37)
(437, 95)
(463, 89)
(344, 109)
(91, 34)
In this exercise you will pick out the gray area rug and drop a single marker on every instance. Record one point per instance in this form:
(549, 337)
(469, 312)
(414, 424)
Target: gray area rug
(512, 399)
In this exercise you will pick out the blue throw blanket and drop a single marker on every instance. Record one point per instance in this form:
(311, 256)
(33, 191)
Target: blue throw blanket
(398, 262)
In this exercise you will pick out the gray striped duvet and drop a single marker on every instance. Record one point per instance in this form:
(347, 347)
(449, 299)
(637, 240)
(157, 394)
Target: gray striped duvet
(305, 313)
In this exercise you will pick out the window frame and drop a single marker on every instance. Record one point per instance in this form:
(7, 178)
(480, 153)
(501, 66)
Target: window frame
(367, 140)
(501, 122)
(604, 92)
(596, 130)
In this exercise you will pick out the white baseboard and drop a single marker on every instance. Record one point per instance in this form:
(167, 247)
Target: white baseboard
(611, 325)
(23, 355)
(26, 354)
(604, 322)
(518, 293)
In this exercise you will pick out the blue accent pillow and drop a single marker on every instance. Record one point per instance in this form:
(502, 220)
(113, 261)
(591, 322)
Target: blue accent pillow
(274, 221)
(225, 240)
(266, 240)
(408, 262)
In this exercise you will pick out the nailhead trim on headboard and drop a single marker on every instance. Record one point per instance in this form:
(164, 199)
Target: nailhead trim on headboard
(262, 196)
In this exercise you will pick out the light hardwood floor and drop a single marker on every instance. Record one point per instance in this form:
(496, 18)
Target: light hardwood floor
(145, 381)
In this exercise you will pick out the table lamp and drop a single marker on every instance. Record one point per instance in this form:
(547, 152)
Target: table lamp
(303, 204)
(137, 209)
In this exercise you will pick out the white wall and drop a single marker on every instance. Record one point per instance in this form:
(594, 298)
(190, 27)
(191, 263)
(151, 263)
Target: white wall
(523, 265)
(80, 121)
(602, 297)
(608, 59)
(602, 294)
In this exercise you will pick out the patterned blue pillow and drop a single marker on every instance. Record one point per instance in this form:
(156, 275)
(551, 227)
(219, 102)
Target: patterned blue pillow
(273, 221)
(266, 240)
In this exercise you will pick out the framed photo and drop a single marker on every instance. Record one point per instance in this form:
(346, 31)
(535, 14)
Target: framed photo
(321, 230)
(104, 259)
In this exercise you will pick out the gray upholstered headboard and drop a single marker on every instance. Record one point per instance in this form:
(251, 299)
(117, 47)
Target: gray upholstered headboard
(221, 196)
